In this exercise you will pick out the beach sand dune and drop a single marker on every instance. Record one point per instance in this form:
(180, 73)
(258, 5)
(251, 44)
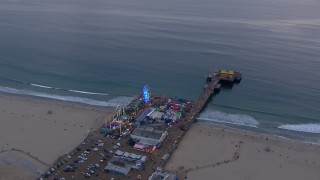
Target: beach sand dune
(210, 152)
(43, 129)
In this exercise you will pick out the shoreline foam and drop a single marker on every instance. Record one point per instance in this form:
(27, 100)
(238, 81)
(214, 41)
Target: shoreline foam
(73, 99)
(306, 128)
(222, 117)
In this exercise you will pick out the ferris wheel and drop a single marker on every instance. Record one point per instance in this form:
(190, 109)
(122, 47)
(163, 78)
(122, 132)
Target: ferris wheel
(146, 93)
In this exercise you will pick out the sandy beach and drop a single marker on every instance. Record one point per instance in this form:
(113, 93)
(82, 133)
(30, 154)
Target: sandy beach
(34, 132)
(212, 152)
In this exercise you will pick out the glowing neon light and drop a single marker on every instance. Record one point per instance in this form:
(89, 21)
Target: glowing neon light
(146, 93)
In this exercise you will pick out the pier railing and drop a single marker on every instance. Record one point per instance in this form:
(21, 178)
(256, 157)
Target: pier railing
(200, 103)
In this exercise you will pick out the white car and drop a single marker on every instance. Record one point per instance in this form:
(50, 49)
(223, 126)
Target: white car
(96, 166)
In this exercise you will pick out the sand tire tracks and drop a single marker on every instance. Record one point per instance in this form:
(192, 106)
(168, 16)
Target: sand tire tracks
(234, 158)
(27, 154)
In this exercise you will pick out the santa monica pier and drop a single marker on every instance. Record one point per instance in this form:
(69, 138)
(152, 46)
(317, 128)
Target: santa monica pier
(137, 141)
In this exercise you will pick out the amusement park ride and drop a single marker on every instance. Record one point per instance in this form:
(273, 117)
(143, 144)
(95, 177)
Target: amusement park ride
(121, 118)
(152, 124)
(146, 93)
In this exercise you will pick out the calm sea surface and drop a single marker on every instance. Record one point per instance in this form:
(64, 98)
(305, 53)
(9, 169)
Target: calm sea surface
(103, 51)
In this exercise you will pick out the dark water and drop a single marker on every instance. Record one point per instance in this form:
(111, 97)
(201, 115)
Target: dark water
(113, 47)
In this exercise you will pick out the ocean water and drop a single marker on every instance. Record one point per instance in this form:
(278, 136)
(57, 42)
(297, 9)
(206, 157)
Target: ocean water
(102, 52)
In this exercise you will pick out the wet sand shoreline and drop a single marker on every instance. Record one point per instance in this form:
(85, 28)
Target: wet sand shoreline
(208, 151)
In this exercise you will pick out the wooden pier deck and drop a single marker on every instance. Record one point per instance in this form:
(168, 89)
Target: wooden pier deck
(200, 103)
(155, 160)
(214, 82)
(176, 132)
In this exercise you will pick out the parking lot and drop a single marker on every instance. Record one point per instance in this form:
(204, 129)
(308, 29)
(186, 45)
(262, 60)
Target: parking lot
(89, 159)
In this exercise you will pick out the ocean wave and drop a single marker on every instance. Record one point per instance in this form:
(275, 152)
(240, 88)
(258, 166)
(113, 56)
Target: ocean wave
(121, 101)
(37, 85)
(309, 128)
(264, 112)
(237, 119)
(57, 88)
(118, 101)
(86, 92)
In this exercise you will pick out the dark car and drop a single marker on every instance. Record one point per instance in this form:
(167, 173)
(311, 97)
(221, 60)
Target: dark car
(69, 169)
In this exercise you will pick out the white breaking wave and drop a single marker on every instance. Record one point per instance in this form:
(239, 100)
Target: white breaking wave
(38, 85)
(85, 92)
(71, 90)
(119, 101)
(309, 128)
(237, 119)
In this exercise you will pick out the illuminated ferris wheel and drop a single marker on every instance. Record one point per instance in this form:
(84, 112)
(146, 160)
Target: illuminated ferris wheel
(146, 93)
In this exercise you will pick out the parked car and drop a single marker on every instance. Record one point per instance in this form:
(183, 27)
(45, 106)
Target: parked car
(87, 175)
(91, 172)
